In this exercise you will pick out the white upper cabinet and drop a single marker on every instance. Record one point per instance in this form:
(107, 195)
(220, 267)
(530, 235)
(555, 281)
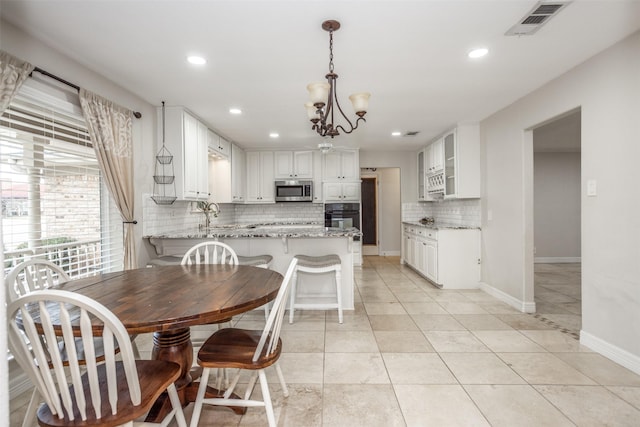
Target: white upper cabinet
(317, 177)
(293, 164)
(341, 165)
(435, 156)
(218, 145)
(422, 175)
(238, 174)
(186, 139)
(260, 177)
(341, 191)
(462, 162)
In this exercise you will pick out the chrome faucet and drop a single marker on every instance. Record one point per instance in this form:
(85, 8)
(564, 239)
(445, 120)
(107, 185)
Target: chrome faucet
(208, 208)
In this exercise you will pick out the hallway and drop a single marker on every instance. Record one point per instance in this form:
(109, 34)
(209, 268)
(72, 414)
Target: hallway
(558, 296)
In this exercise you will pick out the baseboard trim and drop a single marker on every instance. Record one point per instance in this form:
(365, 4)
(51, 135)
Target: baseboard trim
(525, 307)
(390, 253)
(19, 383)
(610, 351)
(557, 260)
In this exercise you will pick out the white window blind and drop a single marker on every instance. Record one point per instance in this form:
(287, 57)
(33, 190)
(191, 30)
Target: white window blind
(54, 205)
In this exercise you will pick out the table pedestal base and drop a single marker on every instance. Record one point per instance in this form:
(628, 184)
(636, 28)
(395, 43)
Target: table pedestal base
(175, 346)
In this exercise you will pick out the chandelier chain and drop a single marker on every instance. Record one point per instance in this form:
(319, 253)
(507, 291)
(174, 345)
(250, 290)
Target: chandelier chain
(331, 51)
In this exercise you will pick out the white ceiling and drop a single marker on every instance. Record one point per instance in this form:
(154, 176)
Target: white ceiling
(411, 56)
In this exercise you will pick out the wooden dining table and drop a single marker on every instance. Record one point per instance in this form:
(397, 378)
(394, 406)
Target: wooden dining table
(167, 300)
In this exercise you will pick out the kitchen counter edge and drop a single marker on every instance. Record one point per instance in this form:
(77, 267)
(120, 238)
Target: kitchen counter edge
(440, 226)
(298, 232)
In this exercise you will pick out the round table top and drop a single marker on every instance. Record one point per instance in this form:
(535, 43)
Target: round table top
(172, 297)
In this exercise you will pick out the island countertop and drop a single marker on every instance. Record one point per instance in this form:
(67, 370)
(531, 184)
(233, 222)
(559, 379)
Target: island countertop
(273, 230)
(279, 240)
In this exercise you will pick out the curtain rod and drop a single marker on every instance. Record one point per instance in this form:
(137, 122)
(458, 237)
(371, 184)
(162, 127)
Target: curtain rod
(136, 114)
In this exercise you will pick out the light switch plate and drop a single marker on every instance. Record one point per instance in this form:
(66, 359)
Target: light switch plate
(592, 188)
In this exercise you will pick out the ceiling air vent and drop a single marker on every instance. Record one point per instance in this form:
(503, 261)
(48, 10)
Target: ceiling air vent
(412, 133)
(541, 13)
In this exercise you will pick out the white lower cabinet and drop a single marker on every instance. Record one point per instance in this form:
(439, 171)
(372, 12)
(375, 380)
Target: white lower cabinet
(431, 259)
(448, 257)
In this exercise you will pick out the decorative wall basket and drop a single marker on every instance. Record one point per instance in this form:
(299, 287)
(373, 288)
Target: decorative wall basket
(163, 200)
(164, 187)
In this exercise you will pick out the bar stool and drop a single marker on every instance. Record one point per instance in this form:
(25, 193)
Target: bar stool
(262, 261)
(317, 265)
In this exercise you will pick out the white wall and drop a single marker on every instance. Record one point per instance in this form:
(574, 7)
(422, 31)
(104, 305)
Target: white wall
(607, 89)
(556, 198)
(405, 160)
(27, 48)
(389, 212)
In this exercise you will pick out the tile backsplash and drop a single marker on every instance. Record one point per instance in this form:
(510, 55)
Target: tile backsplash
(280, 212)
(464, 212)
(182, 215)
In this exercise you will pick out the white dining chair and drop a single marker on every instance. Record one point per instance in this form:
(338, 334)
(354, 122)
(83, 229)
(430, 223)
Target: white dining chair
(116, 391)
(39, 274)
(246, 350)
(210, 253)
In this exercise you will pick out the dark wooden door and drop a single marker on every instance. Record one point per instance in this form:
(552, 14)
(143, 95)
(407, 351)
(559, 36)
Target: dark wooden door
(369, 217)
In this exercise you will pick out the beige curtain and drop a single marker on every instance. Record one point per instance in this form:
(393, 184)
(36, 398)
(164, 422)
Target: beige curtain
(13, 73)
(110, 130)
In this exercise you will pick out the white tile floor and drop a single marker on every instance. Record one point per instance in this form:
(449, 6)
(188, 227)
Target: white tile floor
(414, 355)
(558, 296)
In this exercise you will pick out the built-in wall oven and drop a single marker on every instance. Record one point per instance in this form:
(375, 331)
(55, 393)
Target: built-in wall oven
(342, 215)
(345, 215)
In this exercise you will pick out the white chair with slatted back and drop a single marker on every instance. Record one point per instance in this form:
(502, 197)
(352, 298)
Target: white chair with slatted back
(113, 392)
(246, 350)
(33, 275)
(210, 253)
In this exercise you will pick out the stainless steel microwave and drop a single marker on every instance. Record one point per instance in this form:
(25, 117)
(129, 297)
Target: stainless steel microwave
(294, 191)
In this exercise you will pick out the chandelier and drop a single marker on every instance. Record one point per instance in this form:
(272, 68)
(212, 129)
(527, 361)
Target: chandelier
(323, 102)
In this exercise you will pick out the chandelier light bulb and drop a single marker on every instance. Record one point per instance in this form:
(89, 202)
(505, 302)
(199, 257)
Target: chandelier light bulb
(318, 93)
(312, 112)
(360, 102)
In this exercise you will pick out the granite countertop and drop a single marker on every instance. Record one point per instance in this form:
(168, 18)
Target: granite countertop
(440, 226)
(235, 231)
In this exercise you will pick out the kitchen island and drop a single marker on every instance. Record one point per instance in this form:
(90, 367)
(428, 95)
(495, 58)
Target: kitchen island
(282, 242)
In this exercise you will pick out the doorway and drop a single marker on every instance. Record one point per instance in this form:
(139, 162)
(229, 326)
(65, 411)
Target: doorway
(381, 211)
(369, 195)
(557, 222)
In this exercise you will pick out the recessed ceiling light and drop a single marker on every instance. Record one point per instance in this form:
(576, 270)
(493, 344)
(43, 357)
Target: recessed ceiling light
(396, 133)
(196, 60)
(235, 111)
(478, 53)
(274, 135)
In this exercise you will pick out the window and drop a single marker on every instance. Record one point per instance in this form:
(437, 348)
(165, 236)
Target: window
(54, 204)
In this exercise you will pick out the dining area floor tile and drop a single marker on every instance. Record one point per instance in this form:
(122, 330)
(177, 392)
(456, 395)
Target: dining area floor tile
(411, 354)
